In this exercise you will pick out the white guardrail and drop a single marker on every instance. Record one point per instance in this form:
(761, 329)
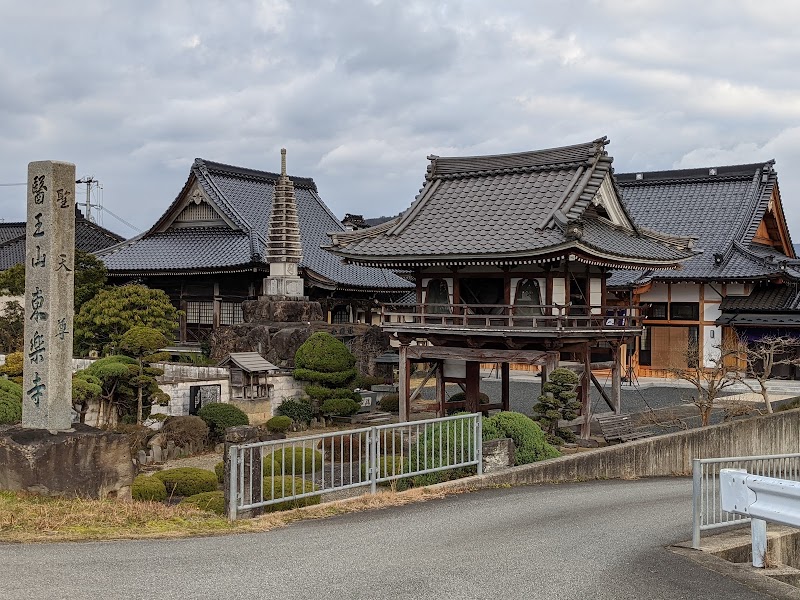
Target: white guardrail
(762, 499)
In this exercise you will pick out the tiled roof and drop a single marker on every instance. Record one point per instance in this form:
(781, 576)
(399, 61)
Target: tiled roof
(722, 211)
(9, 231)
(765, 299)
(509, 207)
(89, 237)
(244, 196)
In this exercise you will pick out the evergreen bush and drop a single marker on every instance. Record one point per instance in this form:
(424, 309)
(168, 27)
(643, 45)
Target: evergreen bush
(208, 501)
(343, 448)
(186, 431)
(558, 401)
(530, 444)
(279, 424)
(219, 471)
(187, 481)
(462, 397)
(328, 365)
(390, 403)
(298, 456)
(298, 410)
(10, 402)
(219, 416)
(340, 407)
(280, 487)
(148, 489)
(365, 382)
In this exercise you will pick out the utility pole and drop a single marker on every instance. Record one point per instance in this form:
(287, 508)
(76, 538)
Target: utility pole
(89, 180)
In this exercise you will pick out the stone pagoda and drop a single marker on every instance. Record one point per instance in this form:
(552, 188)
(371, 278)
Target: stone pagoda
(284, 246)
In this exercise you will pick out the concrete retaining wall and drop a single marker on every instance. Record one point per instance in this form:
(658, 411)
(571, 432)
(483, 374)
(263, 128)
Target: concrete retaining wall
(665, 455)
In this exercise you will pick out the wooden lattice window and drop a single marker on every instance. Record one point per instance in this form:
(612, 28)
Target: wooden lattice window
(200, 312)
(230, 313)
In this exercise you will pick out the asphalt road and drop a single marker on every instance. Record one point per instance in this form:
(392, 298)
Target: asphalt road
(599, 540)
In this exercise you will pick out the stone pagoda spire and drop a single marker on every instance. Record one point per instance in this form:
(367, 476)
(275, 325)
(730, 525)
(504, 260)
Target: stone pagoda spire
(284, 247)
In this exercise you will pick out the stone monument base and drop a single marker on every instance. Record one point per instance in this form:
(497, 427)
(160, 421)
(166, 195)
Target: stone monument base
(84, 462)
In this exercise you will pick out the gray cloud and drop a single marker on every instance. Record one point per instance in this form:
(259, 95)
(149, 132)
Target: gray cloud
(360, 92)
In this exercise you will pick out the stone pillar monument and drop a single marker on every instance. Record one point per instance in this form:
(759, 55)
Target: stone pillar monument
(284, 247)
(49, 296)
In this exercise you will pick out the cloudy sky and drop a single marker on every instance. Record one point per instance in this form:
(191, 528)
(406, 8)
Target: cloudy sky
(360, 92)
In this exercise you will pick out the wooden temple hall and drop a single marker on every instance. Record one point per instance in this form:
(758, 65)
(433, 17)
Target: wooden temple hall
(510, 255)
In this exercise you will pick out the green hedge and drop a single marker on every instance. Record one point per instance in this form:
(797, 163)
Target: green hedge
(390, 403)
(280, 487)
(208, 501)
(279, 424)
(297, 455)
(324, 353)
(10, 402)
(462, 397)
(219, 416)
(219, 471)
(148, 489)
(187, 481)
(341, 407)
(529, 439)
(298, 410)
(337, 379)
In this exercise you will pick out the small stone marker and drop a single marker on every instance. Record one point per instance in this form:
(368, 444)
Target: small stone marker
(49, 296)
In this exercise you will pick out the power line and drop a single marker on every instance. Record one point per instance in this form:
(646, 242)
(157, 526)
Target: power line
(10, 184)
(121, 220)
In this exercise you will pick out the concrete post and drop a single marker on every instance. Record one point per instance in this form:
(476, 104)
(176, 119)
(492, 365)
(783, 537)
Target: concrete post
(49, 296)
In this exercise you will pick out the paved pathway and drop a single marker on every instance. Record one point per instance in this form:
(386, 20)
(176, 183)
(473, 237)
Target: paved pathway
(600, 540)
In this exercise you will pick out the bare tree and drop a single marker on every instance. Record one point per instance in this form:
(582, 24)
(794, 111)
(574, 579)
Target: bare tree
(763, 355)
(711, 376)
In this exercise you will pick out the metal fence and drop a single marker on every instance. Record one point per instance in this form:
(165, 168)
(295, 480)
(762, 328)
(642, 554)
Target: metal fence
(291, 470)
(707, 510)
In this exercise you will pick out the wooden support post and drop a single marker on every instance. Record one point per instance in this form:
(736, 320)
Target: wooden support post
(473, 385)
(616, 380)
(550, 365)
(505, 387)
(440, 390)
(405, 384)
(585, 383)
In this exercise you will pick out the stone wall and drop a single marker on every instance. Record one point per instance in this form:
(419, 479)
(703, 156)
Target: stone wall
(661, 456)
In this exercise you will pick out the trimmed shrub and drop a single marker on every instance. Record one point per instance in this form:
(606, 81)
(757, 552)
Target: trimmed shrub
(148, 489)
(280, 487)
(390, 403)
(298, 410)
(558, 401)
(10, 402)
(219, 471)
(462, 397)
(186, 431)
(529, 440)
(279, 424)
(219, 416)
(208, 501)
(389, 465)
(342, 407)
(187, 481)
(337, 379)
(307, 458)
(365, 382)
(338, 448)
(324, 353)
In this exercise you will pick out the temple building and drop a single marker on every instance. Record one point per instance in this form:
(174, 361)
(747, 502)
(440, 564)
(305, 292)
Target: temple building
(510, 255)
(745, 281)
(211, 250)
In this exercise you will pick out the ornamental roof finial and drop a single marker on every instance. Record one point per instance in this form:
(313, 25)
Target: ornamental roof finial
(283, 162)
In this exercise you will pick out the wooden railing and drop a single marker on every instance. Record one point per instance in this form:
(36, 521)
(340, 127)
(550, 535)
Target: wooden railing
(516, 317)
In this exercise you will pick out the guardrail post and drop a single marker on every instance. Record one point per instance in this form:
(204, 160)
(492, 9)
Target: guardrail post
(373, 460)
(758, 533)
(479, 441)
(233, 494)
(697, 501)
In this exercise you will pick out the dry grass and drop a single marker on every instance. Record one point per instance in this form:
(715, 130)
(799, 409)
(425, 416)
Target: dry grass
(30, 518)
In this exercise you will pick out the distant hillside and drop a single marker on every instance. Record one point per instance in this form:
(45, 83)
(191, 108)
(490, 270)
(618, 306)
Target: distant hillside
(377, 221)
